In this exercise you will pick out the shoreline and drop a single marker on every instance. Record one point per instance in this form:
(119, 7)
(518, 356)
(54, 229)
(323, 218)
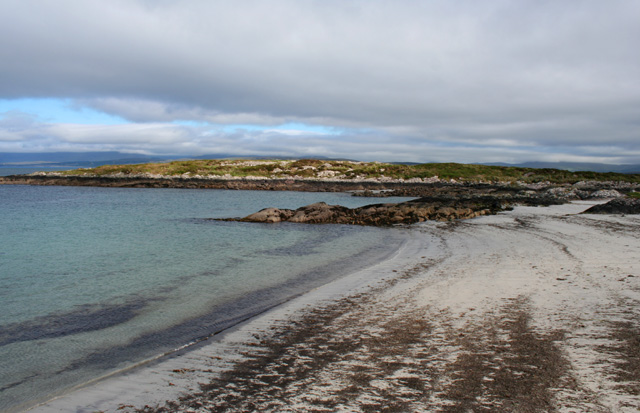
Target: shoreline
(527, 309)
(249, 183)
(316, 256)
(162, 376)
(311, 184)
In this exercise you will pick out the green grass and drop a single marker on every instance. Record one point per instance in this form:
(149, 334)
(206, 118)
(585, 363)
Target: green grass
(634, 194)
(311, 167)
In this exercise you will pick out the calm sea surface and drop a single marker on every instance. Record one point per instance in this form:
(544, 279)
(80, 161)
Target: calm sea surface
(94, 280)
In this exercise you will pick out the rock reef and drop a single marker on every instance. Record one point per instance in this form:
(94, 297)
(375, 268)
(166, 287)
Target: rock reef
(379, 214)
(513, 192)
(625, 206)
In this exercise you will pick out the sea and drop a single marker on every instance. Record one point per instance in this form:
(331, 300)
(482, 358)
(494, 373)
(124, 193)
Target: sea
(96, 280)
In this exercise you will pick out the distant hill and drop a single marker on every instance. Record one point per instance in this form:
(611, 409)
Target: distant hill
(93, 159)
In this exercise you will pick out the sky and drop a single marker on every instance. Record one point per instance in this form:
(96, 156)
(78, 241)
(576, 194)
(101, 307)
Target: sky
(404, 80)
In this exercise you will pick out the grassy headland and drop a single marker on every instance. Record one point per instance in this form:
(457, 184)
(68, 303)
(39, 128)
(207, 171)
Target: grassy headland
(348, 170)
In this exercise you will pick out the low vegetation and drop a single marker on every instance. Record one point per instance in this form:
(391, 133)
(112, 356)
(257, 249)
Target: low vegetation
(312, 168)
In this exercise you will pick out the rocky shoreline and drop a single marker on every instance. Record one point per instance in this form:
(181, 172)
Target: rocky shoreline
(434, 208)
(410, 212)
(438, 200)
(377, 187)
(419, 210)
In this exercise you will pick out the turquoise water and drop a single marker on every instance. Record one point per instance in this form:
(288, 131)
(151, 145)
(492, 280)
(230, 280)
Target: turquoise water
(93, 280)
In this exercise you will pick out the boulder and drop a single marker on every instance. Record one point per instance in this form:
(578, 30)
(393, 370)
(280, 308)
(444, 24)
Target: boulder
(606, 193)
(319, 213)
(270, 215)
(627, 206)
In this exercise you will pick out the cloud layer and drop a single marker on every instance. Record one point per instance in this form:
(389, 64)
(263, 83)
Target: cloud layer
(407, 80)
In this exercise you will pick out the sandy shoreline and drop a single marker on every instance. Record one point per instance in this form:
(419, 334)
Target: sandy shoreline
(531, 310)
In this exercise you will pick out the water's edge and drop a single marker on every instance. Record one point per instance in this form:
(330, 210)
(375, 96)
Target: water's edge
(388, 258)
(96, 281)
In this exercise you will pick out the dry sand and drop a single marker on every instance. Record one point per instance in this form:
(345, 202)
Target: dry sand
(537, 309)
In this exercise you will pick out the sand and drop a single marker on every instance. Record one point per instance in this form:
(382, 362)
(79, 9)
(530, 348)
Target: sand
(536, 309)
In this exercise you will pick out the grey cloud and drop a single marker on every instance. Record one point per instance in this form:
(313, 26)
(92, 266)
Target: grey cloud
(492, 73)
(144, 110)
(129, 134)
(165, 138)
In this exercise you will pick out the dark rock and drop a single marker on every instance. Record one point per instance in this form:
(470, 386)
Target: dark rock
(616, 206)
(380, 214)
(271, 215)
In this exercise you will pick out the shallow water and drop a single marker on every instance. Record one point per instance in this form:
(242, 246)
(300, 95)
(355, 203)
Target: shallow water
(93, 280)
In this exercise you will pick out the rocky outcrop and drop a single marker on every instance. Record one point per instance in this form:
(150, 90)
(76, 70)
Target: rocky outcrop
(378, 214)
(625, 206)
(526, 194)
(605, 194)
(542, 194)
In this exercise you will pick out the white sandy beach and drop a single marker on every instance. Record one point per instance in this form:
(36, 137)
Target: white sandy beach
(537, 309)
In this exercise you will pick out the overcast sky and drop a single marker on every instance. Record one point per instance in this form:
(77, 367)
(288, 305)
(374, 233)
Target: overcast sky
(402, 80)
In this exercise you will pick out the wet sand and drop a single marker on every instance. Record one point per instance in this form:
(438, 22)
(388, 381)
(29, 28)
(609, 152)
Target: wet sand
(537, 309)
